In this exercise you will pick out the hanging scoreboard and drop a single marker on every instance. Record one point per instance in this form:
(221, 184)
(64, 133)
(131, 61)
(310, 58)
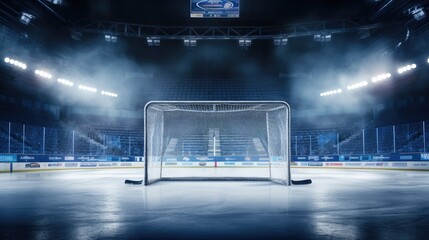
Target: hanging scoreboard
(215, 8)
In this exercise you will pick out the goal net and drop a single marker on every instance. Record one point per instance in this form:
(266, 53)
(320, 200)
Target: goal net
(217, 141)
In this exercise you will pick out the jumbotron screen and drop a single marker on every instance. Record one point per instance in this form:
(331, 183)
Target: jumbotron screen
(215, 8)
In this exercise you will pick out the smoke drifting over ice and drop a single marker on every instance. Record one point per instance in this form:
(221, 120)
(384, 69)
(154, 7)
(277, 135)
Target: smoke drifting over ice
(336, 66)
(138, 73)
(309, 69)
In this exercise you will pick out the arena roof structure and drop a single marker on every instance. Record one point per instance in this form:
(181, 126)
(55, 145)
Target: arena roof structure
(291, 51)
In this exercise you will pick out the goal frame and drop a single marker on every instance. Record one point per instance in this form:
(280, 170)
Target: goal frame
(288, 146)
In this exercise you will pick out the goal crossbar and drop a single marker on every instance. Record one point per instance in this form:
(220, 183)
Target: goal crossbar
(268, 122)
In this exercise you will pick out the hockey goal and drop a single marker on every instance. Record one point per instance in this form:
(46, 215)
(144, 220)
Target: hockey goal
(217, 140)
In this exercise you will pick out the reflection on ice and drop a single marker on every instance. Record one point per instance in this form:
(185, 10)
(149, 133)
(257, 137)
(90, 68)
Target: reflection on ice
(340, 204)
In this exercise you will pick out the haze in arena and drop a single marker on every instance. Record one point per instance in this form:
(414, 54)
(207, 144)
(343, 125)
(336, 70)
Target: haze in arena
(214, 119)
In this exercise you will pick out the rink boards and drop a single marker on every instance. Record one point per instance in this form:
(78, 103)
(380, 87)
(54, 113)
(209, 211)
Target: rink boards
(418, 165)
(43, 166)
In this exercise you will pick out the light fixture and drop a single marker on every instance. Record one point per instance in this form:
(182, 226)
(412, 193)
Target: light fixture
(190, 42)
(417, 12)
(244, 42)
(43, 74)
(357, 85)
(15, 63)
(65, 82)
(331, 92)
(381, 77)
(110, 94)
(153, 41)
(406, 68)
(76, 35)
(280, 41)
(86, 88)
(56, 2)
(322, 37)
(26, 18)
(110, 38)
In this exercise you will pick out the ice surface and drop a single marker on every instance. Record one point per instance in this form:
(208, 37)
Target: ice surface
(340, 204)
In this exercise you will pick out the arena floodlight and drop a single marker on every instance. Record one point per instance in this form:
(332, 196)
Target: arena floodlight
(16, 63)
(357, 85)
(110, 94)
(322, 37)
(153, 41)
(417, 12)
(381, 77)
(110, 38)
(65, 82)
(406, 68)
(331, 92)
(280, 41)
(190, 42)
(76, 35)
(43, 74)
(88, 89)
(244, 42)
(56, 2)
(26, 18)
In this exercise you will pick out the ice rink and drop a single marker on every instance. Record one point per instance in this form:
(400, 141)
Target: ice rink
(340, 204)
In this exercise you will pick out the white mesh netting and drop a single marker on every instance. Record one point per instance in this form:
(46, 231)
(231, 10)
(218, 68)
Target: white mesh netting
(217, 141)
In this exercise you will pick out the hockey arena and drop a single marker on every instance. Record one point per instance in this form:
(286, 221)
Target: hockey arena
(214, 119)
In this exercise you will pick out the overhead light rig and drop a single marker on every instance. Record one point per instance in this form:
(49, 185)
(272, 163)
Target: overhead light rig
(321, 31)
(374, 80)
(47, 77)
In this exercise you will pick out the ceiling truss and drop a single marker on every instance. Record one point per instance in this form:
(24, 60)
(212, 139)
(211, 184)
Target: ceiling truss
(221, 33)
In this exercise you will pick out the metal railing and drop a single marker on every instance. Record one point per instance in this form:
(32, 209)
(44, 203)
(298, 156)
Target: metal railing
(402, 138)
(29, 139)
